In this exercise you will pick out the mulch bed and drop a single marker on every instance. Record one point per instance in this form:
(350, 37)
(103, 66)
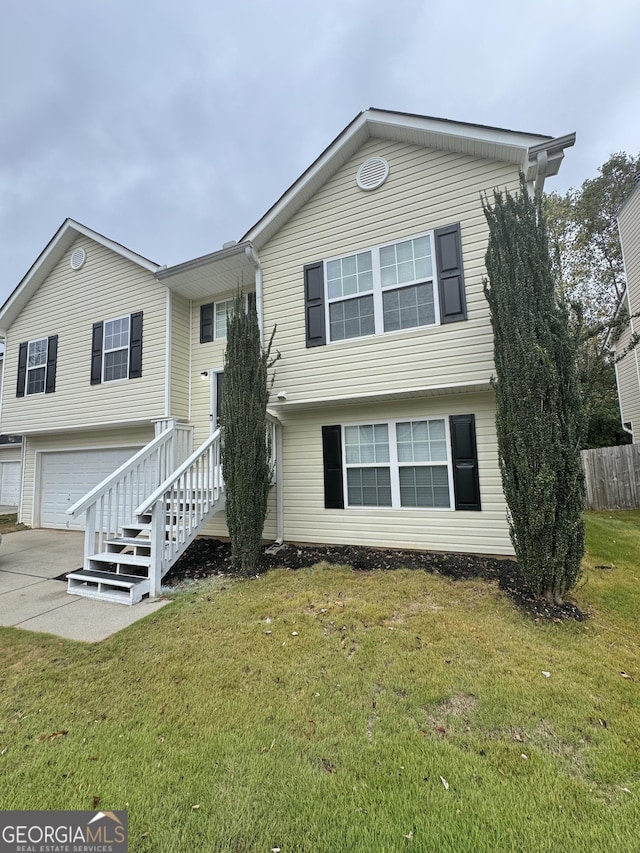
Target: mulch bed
(208, 557)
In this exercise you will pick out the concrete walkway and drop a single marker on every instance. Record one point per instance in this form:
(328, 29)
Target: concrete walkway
(31, 599)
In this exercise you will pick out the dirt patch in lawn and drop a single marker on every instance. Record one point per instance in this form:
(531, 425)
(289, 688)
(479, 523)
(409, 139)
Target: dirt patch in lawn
(209, 557)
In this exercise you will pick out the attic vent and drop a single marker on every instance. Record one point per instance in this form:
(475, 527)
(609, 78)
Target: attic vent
(372, 174)
(78, 257)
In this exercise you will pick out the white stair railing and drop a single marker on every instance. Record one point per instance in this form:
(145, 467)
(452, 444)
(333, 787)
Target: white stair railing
(181, 505)
(111, 504)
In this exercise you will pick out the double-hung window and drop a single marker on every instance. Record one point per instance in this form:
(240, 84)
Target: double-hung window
(368, 465)
(398, 464)
(222, 312)
(115, 351)
(423, 463)
(214, 317)
(408, 284)
(36, 366)
(385, 289)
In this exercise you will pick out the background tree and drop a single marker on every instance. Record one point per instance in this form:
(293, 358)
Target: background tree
(538, 404)
(246, 447)
(583, 229)
(587, 257)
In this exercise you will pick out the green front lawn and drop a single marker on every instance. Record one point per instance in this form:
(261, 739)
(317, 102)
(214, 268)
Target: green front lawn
(327, 710)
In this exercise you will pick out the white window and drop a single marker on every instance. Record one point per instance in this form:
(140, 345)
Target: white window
(36, 366)
(398, 464)
(222, 312)
(368, 468)
(385, 289)
(115, 350)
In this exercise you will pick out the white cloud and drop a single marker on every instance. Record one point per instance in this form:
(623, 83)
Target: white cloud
(173, 127)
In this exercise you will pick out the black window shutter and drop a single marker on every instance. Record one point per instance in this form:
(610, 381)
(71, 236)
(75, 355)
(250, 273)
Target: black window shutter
(22, 369)
(206, 323)
(251, 301)
(135, 346)
(465, 462)
(314, 304)
(96, 354)
(453, 305)
(52, 356)
(332, 461)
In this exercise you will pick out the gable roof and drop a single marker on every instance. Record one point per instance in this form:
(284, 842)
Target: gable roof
(55, 249)
(536, 155)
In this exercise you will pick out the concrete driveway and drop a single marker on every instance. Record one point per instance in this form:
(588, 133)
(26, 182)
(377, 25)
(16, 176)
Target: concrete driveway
(31, 599)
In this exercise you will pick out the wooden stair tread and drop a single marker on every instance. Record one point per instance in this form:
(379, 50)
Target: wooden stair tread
(125, 559)
(85, 575)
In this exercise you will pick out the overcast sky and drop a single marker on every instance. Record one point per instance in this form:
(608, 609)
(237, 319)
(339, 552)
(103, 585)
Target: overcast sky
(171, 127)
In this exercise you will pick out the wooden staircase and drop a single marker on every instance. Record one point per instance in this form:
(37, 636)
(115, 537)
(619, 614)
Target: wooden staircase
(129, 561)
(121, 573)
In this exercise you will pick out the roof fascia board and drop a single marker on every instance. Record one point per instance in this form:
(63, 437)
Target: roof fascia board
(164, 273)
(118, 248)
(53, 430)
(447, 127)
(449, 388)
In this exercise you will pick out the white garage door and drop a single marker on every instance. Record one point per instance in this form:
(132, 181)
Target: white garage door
(68, 476)
(10, 483)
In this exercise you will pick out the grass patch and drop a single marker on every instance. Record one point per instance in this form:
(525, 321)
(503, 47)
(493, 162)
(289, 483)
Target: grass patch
(325, 709)
(9, 523)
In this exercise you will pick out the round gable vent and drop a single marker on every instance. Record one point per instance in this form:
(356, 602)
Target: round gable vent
(372, 174)
(78, 257)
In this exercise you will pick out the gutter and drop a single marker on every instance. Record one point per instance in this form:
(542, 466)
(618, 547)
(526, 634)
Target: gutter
(203, 260)
(543, 160)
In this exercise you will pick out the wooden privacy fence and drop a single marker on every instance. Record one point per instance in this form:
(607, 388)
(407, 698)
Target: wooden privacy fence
(612, 477)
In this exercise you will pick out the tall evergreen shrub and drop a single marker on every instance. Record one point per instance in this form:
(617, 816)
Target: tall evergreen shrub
(539, 415)
(245, 441)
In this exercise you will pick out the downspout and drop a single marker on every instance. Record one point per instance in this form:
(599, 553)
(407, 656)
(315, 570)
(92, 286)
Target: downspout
(541, 173)
(3, 341)
(622, 422)
(167, 366)
(255, 262)
(543, 160)
(536, 185)
(23, 461)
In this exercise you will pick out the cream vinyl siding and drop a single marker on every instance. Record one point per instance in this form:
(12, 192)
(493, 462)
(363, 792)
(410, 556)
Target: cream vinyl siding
(180, 344)
(68, 304)
(209, 357)
(628, 370)
(218, 525)
(307, 520)
(629, 224)
(90, 440)
(628, 381)
(426, 189)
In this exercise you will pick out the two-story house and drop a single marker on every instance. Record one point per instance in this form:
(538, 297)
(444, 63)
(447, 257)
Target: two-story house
(370, 266)
(628, 368)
